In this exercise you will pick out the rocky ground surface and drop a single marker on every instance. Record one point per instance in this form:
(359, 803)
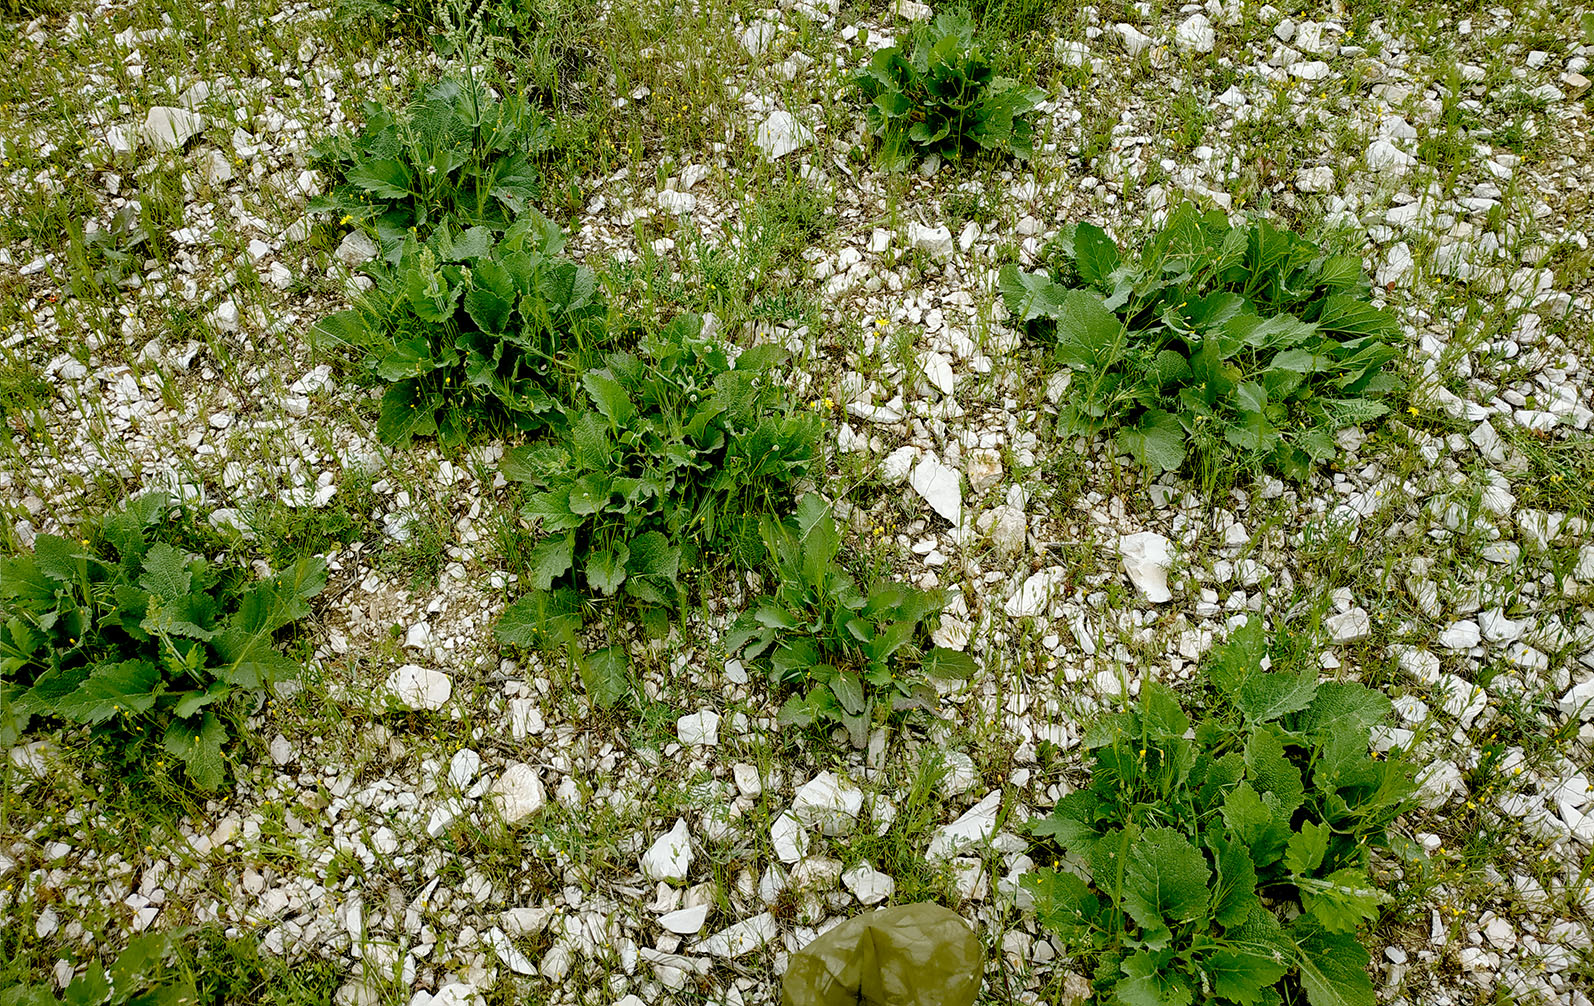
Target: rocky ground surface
(498, 838)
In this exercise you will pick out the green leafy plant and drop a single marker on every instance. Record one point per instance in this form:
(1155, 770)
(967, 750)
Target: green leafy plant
(126, 631)
(1213, 341)
(848, 649)
(477, 334)
(138, 976)
(458, 154)
(945, 98)
(1228, 862)
(669, 459)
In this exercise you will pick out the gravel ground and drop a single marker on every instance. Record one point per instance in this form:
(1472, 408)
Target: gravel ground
(497, 839)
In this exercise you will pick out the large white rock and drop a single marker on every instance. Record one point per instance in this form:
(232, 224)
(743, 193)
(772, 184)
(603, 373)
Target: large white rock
(1387, 159)
(756, 37)
(940, 486)
(1006, 526)
(452, 994)
(1438, 783)
(463, 768)
(1146, 558)
(869, 885)
(937, 240)
(1196, 34)
(701, 728)
(1034, 596)
(169, 128)
(419, 687)
(356, 247)
(1315, 179)
(780, 134)
(670, 858)
(1462, 635)
(830, 803)
(1348, 626)
(743, 938)
(1497, 628)
(973, 829)
(1135, 40)
(519, 793)
(938, 372)
(788, 837)
(685, 921)
(1579, 700)
(898, 465)
(506, 951)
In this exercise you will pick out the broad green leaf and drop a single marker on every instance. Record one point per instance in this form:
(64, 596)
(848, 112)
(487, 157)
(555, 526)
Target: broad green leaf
(1063, 901)
(1269, 695)
(1095, 255)
(1333, 967)
(1151, 981)
(175, 994)
(1306, 848)
(28, 995)
(488, 310)
(590, 442)
(382, 177)
(1239, 658)
(848, 690)
(605, 568)
(189, 703)
(166, 572)
(550, 559)
(943, 662)
(1088, 335)
(407, 412)
(88, 989)
(1255, 823)
(1234, 894)
(1161, 716)
(540, 619)
(1157, 441)
(1270, 769)
(111, 690)
(606, 673)
(198, 743)
(610, 397)
(1242, 976)
(1166, 881)
(1346, 315)
(1341, 901)
(1030, 295)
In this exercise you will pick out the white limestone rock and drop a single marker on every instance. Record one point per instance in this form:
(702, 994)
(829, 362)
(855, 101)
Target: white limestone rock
(1146, 557)
(518, 793)
(669, 859)
(829, 803)
(420, 688)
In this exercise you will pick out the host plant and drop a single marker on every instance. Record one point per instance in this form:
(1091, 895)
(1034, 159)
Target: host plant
(1230, 861)
(945, 98)
(1215, 341)
(126, 630)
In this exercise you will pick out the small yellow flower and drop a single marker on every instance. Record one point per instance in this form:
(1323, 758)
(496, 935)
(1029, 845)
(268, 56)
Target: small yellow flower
(1413, 410)
(345, 220)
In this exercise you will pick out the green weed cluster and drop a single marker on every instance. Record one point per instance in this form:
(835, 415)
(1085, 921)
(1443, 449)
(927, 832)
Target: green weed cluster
(138, 976)
(127, 631)
(847, 649)
(476, 334)
(1229, 861)
(458, 154)
(1218, 342)
(944, 98)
